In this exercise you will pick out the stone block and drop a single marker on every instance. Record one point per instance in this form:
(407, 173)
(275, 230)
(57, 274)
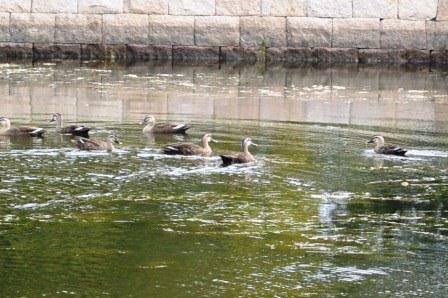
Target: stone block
(54, 6)
(115, 52)
(125, 28)
(356, 33)
(217, 31)
(100, 6)
(192, 7)
(437, 57)
(56, 51)
(382, 56)
(4, 27)
(36, 27)
(78, 28)
(15, 5)
(403, 34)
(309, 32)
(330, 8)
(296, 8)
(237, 54)
(196, 55)
(16, 50)
(437, 35)
(417, 9)
(329, 55)
(290, 56)
(263, 31)
(442, 11)
(171, 30)
(146, 6)
(148, 53)
(384, 9)
(238, 7)
(418, 56)
(93, 52)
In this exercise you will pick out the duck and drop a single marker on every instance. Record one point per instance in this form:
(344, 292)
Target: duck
(240, 158)
(76, 130)
(191, 149)
(152, 127)
(24, 131)
(90, 144)
(380, 148)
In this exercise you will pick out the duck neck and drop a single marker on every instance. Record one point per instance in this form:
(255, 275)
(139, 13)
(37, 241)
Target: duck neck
(246, 150)
(110, 146)
(379, 143)
(59, 122)
(6, 124)
(148, 127)
(206, 146)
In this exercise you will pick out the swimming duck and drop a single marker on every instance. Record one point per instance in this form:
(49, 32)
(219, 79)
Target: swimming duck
(243, 157)
(191, 149)
(76, 130)
(89, 144)
(24, 131)
(380, 148)
(152, 127)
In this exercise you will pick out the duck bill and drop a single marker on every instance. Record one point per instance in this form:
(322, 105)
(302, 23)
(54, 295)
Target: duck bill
(213, 141)
(256, 145)
(370, 142)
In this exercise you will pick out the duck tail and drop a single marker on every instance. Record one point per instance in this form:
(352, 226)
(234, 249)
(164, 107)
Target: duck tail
(226, 160)
(170, 150)
(401, 152)
(39, 132)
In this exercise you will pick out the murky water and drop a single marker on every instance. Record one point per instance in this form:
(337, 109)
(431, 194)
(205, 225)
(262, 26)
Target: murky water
(318, 215)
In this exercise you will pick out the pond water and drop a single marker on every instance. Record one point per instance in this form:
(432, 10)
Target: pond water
(319, 214)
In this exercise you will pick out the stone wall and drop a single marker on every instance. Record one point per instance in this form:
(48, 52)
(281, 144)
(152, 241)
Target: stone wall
(210, 31)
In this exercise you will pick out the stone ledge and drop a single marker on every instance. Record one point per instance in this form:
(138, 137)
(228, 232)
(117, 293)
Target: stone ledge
(56, 51)
(333, 55)
(148, 53)
(241, 55)
(291, 56)
(439, 57)
(16, 50)
(91, 52)
(196, 55)
(380, 56)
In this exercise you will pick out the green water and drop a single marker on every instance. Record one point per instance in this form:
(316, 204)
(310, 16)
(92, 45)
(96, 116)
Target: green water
(318, 215)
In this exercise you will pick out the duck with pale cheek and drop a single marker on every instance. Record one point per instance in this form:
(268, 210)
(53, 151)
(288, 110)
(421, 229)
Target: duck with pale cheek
(89, 144)
(24, 131)
(191, 149)
(380, 148)
(240, 158)
(152, 127)
(76, 130)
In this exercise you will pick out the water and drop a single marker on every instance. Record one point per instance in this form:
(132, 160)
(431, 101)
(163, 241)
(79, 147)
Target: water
(319, 214)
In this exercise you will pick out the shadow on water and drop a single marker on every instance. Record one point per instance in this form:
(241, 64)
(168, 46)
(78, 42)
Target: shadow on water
(318, 214)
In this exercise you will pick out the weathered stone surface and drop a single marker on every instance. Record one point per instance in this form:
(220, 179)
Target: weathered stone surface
(192, 7)
(78, 28)
(328, 55)
(290, 56)
(437, 57)
(403, 34)
(217, 31)
(238, 7)
(171, 30)
(417, 9)
(385, 9)
(330, 8)
(15, 5)
(4, 27)
(309, 32)
(263, 31)
(125, 28)
(437, 35)
(35, 27)
(100, 6)
(146, 6)
(442, 11)
(237, 54)
(54, 6)
(148, 53)
(196, 55)
(380, 56)
(418, 56)
(16, 50)
(56, 51)
(115, 52)
(295, 8)
(356, 33)
(93, 52)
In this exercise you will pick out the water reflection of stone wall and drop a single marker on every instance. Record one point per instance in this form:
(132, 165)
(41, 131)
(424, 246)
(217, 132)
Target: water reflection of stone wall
(359, 96)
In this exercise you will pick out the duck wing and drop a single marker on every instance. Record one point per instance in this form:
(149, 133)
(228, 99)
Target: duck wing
(75, 130)
(170, 128)
(392, 150)
(182, 149)
(239, 158)
(89, 144)
(31, 131)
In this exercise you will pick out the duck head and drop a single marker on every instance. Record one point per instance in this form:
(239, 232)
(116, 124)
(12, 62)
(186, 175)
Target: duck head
(207, 138)
(247, 142)
(57, 117)
(377, 140)
(113, 139)
(148, 120)
(5, 122)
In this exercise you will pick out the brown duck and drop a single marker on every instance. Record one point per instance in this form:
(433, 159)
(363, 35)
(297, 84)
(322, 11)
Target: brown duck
(243, 157)
(380, 148)
(24, 131)
(152, 127)
(76, 130)
(191, 149)
(90, 144)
